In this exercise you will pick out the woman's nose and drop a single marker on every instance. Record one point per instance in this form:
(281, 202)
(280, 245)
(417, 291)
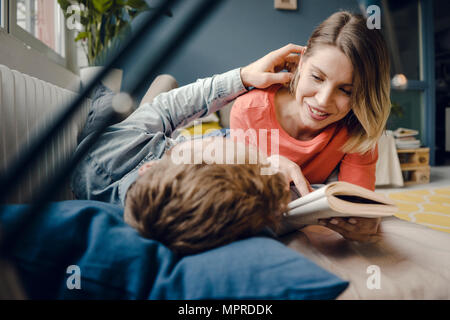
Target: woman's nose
(324, 96)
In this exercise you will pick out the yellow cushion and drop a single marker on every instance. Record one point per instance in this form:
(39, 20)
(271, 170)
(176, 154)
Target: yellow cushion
(201, 129)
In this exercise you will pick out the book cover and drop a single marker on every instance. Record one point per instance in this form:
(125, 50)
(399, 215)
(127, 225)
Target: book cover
(403, 132)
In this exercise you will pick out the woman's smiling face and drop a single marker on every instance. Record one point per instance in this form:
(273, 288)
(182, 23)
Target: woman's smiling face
(324, 89)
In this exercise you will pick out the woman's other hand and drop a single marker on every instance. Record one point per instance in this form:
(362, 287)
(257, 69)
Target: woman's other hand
(291, 171)
(265, 72)
(355, 229)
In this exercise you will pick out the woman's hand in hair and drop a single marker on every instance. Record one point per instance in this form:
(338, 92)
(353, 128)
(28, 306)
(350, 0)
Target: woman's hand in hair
(355, 229)
(266, 71)
(292, 173)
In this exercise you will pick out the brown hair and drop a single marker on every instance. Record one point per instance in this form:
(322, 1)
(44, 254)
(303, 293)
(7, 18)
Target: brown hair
(367, 50)
(196, 207)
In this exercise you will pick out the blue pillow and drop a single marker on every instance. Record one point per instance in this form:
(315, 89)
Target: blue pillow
(116, 263)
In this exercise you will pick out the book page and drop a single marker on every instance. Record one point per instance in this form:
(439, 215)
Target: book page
(310, 197)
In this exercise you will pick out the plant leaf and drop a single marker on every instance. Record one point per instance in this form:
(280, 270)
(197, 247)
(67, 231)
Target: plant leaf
(81, 35)
(102, 5)
(106, 24)
(64, 4)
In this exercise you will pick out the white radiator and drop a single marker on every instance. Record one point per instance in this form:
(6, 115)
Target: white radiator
(27, 105)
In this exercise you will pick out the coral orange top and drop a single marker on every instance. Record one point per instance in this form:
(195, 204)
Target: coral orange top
(318, 157)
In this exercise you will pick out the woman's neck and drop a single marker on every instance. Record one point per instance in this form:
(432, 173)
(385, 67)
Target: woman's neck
(288, 116)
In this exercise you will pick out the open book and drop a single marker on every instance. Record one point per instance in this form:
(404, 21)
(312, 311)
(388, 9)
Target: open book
(337, 199)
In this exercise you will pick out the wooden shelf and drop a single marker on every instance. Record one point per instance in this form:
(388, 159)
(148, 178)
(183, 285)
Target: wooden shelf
(414, 164)
(416, 176)
(413, 157)
(413, 150)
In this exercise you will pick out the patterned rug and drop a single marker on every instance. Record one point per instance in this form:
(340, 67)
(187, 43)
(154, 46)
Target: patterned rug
(428, 207)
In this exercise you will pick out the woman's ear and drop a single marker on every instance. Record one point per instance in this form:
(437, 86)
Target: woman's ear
(301, 65)
(303, 59)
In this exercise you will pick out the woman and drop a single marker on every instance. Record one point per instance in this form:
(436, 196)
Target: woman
(332, 115)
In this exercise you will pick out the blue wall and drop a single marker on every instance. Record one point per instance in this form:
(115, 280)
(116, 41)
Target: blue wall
(240, 31)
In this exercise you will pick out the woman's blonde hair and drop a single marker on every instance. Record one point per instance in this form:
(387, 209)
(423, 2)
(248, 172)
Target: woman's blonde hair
(367, 51)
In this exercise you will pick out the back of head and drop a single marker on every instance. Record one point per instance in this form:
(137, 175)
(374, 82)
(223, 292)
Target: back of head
(367, 51)
(196, 207)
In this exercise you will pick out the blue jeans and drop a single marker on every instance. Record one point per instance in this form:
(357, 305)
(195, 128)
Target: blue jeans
(112, 164)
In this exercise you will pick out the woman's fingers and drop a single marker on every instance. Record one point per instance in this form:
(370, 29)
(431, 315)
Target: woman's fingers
(290, 48)
(289, 62)
(292, 58)
(260, 73)
(353, 236)
(300, 182)
(278, 59)
(292, 172)
(355, 229)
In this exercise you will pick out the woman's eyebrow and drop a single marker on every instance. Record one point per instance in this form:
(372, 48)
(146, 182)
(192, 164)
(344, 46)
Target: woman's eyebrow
(318, 69)
(325, 75)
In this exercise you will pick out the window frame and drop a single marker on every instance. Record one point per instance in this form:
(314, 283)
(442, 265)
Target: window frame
(30, 41)
(426, 84)
(4, 14)
(427, 56)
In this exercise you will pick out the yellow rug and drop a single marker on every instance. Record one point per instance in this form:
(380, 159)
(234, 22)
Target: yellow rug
(428, 207)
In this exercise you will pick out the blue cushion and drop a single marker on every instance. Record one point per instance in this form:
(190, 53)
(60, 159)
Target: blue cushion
(116, 263)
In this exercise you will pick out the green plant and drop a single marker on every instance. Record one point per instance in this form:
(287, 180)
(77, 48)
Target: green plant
(396, 110)
(103, 23)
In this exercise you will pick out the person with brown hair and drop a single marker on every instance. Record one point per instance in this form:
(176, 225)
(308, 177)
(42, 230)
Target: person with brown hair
(193, 205)
(333, 113)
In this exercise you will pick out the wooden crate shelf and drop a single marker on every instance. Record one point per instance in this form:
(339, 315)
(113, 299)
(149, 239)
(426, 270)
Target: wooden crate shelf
(416, 175)
(414, 164)
(414, 157)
